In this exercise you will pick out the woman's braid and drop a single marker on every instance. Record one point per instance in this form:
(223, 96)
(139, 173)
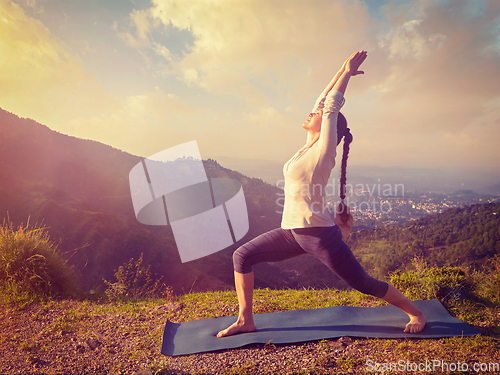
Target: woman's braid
(342, 209)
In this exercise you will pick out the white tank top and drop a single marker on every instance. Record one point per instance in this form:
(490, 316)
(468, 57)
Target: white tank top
(306, 173)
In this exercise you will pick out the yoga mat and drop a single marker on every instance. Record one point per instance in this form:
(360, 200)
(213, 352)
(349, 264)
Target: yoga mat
(309, 325)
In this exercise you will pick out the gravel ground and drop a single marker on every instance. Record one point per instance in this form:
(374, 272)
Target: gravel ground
(73, 337)
(70, 337)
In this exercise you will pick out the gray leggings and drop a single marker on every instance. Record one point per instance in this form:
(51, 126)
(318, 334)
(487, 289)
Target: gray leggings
(325, 243)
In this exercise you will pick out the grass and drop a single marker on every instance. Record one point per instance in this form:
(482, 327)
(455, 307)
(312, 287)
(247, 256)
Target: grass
(133, 329)
(31, 269)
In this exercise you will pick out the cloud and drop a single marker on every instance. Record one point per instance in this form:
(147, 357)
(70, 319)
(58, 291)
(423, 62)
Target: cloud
(265, 60)
(440, 71)
(427, 76)
(34, 6)
(141, 124)
(142, 23)
(267, 117)
(40, 77)
(249, 48)
(245, 74)
(409, 41)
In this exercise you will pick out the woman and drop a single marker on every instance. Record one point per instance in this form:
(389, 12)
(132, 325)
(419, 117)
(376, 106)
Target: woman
(307, 226)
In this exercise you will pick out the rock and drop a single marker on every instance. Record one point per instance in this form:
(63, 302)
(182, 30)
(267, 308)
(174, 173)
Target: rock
(91, 344)
(99, 335)
(143, 372)
(345, 340)
(172, 307)
(352, 351)
(338, 346)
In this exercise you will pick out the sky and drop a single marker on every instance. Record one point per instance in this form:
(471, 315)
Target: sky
(241, 76)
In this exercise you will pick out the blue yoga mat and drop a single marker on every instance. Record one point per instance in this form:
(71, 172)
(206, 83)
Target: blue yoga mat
(308, 325)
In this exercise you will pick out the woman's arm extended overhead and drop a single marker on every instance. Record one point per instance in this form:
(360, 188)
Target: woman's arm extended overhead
(350, 69)
(341, 79)
(334, 100)
(339, 74)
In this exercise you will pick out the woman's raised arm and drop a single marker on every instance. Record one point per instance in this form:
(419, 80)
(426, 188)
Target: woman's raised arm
(350, 69)
(332, 101)
(343, 69)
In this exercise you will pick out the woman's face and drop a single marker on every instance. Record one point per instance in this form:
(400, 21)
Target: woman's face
(314, 121)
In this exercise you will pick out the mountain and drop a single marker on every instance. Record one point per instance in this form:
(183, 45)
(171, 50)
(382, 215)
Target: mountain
(79, 190)
(492, 189)
(268, 170)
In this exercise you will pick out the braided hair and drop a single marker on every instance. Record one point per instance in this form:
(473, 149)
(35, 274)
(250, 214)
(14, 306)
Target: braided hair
(343, 132)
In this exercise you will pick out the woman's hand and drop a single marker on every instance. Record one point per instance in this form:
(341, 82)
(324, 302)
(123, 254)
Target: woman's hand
(352, 64)
(343, 220)
(348, 69)
(351, 68)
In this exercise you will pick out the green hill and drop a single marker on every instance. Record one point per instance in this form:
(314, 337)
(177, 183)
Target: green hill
(467, 236)
(79, 190)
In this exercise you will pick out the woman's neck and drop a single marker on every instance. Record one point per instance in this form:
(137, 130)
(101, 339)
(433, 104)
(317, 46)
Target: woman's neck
(312, 139)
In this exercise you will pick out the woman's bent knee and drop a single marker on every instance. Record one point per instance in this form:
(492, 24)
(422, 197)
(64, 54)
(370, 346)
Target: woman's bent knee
(240, 263)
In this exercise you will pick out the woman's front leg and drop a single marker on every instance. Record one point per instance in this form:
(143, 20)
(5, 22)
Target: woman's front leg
(417, 319)
(244, 283)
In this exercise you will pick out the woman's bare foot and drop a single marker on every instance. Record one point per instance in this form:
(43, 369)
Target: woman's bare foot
(416, 324)
(238, 327)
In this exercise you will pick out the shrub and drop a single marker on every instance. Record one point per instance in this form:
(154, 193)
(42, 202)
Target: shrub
(134, 281)
(30, 267)
(488, 281)
(423, 282)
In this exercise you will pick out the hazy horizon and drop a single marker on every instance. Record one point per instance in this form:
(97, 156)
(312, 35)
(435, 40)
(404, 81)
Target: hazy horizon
(440, 178)
(241, 77)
